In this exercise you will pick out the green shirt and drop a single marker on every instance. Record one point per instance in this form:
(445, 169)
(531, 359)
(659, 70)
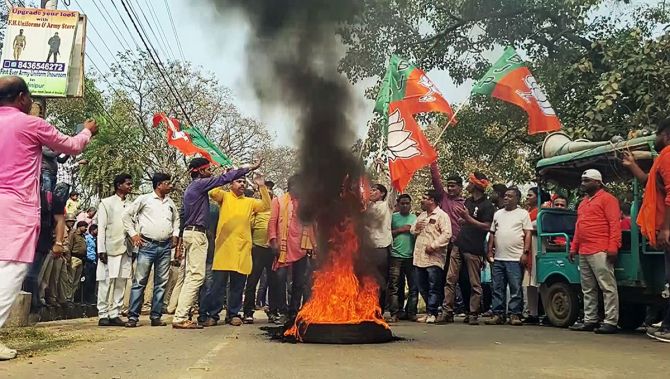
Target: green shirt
(403, 243)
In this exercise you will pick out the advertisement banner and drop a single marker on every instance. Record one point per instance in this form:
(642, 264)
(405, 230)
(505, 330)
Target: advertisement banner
(38, 47)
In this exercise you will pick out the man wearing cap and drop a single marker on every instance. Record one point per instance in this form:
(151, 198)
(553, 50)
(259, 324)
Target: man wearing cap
(597, 240)
(469, 248)
(193, 243)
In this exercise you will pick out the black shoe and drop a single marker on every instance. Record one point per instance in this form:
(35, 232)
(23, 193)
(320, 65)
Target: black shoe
(445, 318)
(116, 321)
(606, 329)
(103, 322)
(531, 320)
(544, 321)
(584, 327)
(473, 320)
(131, 324)
(157, 322)
(466, 319)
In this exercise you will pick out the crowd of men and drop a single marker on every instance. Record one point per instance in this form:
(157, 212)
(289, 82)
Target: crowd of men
(240, 246)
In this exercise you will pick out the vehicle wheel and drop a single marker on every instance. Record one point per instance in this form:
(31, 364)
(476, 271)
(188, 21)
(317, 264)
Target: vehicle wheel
(631, 316)
(561, 304)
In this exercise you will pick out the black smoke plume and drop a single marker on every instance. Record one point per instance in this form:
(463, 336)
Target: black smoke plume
(292, 61)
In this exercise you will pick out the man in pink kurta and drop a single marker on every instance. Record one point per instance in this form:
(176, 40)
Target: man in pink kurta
(21, 139)
(292, 241)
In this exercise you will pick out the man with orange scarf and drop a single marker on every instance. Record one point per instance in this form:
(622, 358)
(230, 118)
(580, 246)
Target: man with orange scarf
(654, 217)
(293, 243)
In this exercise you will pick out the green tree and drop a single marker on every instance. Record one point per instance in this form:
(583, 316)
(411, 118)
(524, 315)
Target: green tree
(124, 106)
(605, 74)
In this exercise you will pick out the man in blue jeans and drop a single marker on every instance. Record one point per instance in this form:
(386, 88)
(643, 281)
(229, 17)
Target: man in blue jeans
(433, 232)
(508, 250)
(152, 222)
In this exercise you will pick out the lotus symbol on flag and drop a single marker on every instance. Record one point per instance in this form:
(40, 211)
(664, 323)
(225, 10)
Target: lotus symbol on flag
(432, 89)
(176, 134)
(538, 94)
(400, 143)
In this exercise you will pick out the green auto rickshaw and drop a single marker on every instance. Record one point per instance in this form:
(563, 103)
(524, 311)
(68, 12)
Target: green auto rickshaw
(640, 268)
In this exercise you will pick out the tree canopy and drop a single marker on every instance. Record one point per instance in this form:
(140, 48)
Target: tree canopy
(124, 101)
(604, 65)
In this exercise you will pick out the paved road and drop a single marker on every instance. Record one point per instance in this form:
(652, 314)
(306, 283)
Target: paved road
(428, 351)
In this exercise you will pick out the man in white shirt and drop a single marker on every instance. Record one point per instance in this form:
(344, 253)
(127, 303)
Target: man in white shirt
(114, 254)
(152, 222)
(509, 247)
(433, 232)
(378, 227)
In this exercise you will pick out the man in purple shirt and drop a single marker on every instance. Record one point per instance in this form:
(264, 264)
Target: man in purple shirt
(195, 223)
(452, 203)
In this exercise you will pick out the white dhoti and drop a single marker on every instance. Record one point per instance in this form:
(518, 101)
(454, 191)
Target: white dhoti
(530, 287)
(11, 279)
(112, 278)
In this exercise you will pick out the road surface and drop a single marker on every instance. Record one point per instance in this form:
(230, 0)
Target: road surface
(427, 351)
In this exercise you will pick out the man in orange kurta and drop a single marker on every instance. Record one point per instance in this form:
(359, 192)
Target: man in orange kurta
(654, 216)
(293, 242)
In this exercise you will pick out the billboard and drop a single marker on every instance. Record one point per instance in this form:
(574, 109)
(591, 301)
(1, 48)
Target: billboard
(38, 47)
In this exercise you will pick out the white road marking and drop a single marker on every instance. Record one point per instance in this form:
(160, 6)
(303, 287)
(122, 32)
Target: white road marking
(203, 364)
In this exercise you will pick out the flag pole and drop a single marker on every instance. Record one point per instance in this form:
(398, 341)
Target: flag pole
(365, 142)
(453, 117)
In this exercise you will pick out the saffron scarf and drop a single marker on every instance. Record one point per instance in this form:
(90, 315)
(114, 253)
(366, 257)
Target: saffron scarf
(286, 212)
(646, 219)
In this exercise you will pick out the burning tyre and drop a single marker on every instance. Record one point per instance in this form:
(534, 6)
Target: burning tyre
(343, 308)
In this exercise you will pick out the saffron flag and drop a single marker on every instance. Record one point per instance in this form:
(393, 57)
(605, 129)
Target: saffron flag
(510, 80)
(190, 141)
(406, 91)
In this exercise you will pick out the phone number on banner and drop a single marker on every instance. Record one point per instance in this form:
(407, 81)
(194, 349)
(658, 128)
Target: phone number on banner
(31, 65)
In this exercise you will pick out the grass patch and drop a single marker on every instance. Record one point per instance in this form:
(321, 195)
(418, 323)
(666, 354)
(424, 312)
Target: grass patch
(31, 341)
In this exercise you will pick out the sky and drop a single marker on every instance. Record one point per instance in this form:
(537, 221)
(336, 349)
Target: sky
(217, 44)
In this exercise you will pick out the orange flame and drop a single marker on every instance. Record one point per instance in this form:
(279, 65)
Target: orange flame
(338, 296)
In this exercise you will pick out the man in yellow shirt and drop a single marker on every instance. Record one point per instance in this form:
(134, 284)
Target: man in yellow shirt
(262, 257)
(232, 248)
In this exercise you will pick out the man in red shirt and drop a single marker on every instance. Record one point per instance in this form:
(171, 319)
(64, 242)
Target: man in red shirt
(597, 240)
(654, 217)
